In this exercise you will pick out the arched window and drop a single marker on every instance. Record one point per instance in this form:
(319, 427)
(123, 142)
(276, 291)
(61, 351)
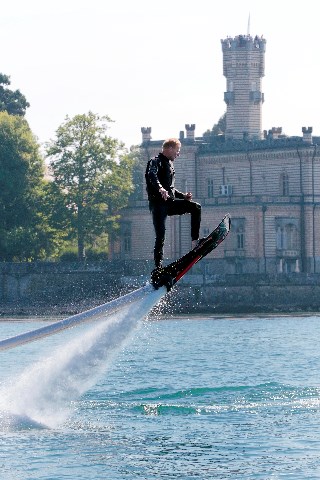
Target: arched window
(292, 237)
(287, 237)
(280, 238)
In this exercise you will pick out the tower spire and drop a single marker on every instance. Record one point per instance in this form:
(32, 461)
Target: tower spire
(248, 27)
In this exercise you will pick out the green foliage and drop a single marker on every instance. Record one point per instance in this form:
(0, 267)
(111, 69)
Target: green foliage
(95, 255)
(217, 129)
(139, 166)
(69, 255)
(53, 218)
(93, 174)
(12, 102)
(23, 235)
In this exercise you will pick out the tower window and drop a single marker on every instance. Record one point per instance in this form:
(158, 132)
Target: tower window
(284, 184)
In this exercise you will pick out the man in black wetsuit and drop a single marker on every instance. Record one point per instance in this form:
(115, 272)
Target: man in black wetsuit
(165, 199)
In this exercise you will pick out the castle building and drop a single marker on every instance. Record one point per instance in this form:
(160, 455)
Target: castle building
(267, 181)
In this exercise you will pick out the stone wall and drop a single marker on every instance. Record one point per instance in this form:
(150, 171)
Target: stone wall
(65, 289)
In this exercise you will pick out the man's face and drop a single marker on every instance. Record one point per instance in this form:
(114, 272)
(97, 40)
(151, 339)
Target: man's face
(173, 153)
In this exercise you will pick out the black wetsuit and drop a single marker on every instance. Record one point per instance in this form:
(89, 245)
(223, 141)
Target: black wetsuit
(161, 174)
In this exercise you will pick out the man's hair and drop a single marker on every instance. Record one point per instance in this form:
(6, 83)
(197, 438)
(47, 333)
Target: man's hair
(171, 142)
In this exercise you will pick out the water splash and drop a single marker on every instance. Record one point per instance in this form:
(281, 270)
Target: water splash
(45, 392)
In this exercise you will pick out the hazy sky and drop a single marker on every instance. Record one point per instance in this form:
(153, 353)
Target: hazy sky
(156, 64)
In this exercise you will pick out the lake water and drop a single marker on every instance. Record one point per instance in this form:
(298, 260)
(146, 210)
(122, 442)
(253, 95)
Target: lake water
(175, 398)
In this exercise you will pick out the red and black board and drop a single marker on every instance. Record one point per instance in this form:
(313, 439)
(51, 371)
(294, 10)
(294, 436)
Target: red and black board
(172, 273)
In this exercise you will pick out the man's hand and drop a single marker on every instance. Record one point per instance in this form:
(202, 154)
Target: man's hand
(164, 193)
(188, 196)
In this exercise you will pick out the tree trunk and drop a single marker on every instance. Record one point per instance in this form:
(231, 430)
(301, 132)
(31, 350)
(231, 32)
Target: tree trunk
(81, 247)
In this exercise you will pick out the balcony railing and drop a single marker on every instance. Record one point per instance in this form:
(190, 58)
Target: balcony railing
(288, 253)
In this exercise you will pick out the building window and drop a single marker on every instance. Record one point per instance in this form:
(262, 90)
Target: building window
(236, 242)
(126, 237)
(280, 238)
(210, 188)
(225, 189)
(240, 238)
(284, 184)
(127, 243)
(287, 237)
(292, 237)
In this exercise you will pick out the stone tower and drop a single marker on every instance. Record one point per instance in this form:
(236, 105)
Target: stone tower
(243, 67)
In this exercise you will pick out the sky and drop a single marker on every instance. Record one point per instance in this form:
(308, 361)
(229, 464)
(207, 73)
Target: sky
(156, 64)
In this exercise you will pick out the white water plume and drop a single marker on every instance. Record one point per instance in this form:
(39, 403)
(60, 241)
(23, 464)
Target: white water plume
(45, 391)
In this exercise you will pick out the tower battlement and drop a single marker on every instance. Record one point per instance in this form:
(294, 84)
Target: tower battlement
(146, 134)
(190, 129)
(244, 42)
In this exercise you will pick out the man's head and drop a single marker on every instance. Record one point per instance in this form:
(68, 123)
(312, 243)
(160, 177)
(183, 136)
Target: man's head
(171, 148)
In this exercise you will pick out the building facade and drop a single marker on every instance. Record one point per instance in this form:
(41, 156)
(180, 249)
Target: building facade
(268, 182)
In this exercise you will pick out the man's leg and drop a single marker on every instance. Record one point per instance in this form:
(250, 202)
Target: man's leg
(195, 220)
(159, 215)
(180, 207)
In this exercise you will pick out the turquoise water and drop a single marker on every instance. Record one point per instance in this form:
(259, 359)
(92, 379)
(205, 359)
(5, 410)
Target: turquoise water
(179, 398)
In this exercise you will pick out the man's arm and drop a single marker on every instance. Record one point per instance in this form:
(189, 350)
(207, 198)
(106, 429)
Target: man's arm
(154, 179)
(178, 194)
(184, 196)
(153, 175)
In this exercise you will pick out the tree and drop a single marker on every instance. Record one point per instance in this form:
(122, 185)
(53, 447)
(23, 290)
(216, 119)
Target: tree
(93, 173)
(13, 102)
(138, 173)
(217, 129)
(22, 226)
(55, 225)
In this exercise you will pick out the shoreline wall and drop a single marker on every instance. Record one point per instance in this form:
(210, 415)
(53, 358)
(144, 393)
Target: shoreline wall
(66, 289)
